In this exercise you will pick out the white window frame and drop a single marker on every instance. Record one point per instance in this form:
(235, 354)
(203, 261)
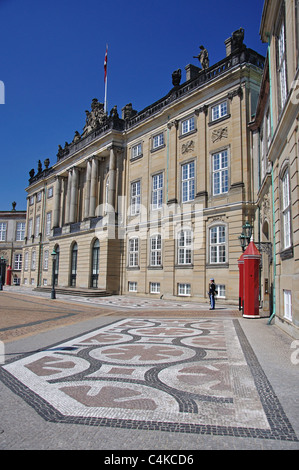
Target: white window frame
(281, 65)
(48, 223)
(30, 222)
(188, 181)
(20, 231)
(18, 262)
(184, 289)
(37, 226)
(26, 261)
(217, 240)
(287, 301)
(156, 250)
(132, 286)
(33, 260)
(133, 260)
(50, 192)
(135, 197)
(219, 111)
(157, 191)
(220, 288)
(136, 150)
(46, 259)
(220, 172)
(158, 140)
(188, 125)
(155, 287)
(184, 247)
(3, 231)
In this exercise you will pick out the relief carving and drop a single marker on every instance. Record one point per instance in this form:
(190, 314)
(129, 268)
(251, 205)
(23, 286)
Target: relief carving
(188, 146)
(219, 134)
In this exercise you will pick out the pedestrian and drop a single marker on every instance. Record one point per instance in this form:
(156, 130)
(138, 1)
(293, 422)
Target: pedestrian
(212, 292)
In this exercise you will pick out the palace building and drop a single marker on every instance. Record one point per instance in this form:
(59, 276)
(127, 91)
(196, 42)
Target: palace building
(152, 202)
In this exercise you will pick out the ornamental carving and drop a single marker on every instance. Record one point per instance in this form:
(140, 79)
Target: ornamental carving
(219, 134)
(188, 146)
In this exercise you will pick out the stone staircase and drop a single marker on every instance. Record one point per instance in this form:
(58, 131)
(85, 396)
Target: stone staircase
(75, 291)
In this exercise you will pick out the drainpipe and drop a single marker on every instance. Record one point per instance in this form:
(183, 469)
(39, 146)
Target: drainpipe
(272, 183)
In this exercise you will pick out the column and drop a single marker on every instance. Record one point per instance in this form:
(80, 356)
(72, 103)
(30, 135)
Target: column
(68, 197)
(87, 190)
(112, 177)
(56, 212)
(74, 196)
(93, 187)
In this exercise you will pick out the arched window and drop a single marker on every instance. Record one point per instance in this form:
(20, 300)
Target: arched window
(95, 263)
(74, 256)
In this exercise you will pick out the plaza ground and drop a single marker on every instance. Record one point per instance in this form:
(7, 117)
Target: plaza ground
(128, 373)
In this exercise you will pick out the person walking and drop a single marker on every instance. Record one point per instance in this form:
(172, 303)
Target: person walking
(212, 292)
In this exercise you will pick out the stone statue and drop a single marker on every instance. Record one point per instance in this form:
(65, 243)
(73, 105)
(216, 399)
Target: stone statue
(39, 167)
(96, 118)
(176, 77)
(237, 39)
(203, 57)
(77, 137)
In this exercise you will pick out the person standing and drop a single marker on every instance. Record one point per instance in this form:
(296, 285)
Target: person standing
(212, 292)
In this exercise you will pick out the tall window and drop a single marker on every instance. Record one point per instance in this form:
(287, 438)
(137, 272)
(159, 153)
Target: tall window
(46, 260)
(20, 232)
(156, 250)
(133, 252)
(18, 262)
(188, 125)
(29, 228)
(287, 300)
(37, 226)
(219, 111)
(286, 210)
(185, 247)
(135, 197)
(3, 227)
(220, 172)
(48, 223)
(217, 244)
(26, 261)
(157, 195)
(74, 257)
(188, 182)
(95, 263)
(281, 66)
(33, 260)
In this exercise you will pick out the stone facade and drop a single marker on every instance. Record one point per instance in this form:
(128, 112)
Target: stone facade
(275, 156)
(152, 202)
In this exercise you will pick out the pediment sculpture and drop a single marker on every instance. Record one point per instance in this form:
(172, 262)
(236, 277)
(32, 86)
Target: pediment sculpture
(94, 118)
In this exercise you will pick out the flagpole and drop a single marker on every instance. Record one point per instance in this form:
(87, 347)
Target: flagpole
(105, 78)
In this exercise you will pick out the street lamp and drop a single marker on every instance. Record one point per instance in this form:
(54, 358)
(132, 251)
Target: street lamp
(1, 271)
(245, 236)
(53, 293)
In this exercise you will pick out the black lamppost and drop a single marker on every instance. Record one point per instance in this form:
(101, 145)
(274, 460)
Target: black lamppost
(245, 236)
(1, 270)
(53, 293)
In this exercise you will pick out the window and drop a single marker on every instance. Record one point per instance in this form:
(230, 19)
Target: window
(281, 66)
(220, 288)
(136, 151)
(219, 111)
(132, 286)
(158, 140)
(287, 298)
(220, 172)
(39, 196)
(188, 182)
(188, 125)
(184, 289)
(3, 228)
(135, 198)
(48, 223)
(217, 244)
(95, 263)
(155, 250)
(50, 192)
(46, 259)
(31, 200)
(133, 252)
(18, 262)
(286, 210)
(20, 232)
(184, 247)
(155, 287)
(74, 257)
(157, 194)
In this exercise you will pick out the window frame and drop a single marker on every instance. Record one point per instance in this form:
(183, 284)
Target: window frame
(222, 171)
(188, 183)
(218, 246)
(156, 251)
(135, 199)
(187, 126)
(136, 151)
(3, 231)
(158, 191)
(184, 247)
(286, 214)
(133, 252)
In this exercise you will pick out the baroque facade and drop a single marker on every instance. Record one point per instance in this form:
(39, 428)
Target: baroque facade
(275, 141)
(152, 202)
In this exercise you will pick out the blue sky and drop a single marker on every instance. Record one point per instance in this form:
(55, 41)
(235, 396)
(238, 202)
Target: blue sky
(51, 63)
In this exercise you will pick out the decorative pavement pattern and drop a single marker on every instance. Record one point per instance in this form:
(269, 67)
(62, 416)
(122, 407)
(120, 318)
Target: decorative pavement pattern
(195, 376)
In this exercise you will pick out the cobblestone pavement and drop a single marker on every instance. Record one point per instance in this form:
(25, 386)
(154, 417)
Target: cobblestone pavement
(130, 374)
